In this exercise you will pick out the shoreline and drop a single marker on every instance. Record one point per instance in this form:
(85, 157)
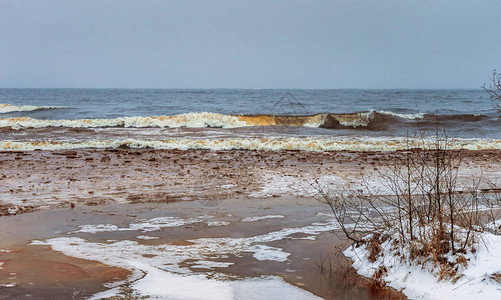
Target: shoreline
(121, 186)
(32, 180)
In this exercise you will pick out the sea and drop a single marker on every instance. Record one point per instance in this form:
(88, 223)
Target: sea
(245, 119)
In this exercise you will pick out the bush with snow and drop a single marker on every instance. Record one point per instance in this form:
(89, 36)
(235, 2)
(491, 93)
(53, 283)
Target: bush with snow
(430, 226)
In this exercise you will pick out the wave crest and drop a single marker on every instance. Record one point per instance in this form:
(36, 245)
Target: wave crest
(370, 120)
(7, 108)
(203, 119)
(273, 144)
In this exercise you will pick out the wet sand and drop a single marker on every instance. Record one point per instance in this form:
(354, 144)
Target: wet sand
(32, 180)
(67, 189)
(40, 273)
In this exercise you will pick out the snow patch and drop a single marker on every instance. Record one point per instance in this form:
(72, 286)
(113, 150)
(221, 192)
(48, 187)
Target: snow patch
(163, 285)
(217, 223)
(263, 252)
(146, 237)
(278, 184)
(154, 224)
(165, 270)
(254, 219)
(418, 282)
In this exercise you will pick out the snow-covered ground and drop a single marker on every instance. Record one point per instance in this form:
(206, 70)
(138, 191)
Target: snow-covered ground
(479, 277)
(277, 184)
(274, 184)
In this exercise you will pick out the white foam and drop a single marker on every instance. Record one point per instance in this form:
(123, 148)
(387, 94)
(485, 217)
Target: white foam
(193, 119)
(361, 119)
(403, 116)
(7, 108)
(267, 144)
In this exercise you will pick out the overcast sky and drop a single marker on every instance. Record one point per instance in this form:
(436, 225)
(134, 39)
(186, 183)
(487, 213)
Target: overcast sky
(249, 44)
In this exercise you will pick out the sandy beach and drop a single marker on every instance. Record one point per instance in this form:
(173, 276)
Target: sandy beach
(46, 179)
(107, 196)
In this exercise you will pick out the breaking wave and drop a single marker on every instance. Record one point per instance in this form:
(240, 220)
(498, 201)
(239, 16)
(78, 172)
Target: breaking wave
(203, 119)
(370, 120)
(7, 108)
(269, 144)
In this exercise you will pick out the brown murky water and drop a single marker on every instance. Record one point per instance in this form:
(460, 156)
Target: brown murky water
(40, 273)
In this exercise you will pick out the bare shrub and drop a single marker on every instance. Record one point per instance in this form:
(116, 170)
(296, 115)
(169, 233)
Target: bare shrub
(494, 89)
(419, 206)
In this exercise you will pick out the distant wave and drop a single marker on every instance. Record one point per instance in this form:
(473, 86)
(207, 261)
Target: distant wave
(7, 108)
(195, 120)
(273, 144)
(370, 120)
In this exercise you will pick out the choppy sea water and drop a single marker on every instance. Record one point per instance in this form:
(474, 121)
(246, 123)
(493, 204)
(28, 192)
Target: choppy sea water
(226, 119)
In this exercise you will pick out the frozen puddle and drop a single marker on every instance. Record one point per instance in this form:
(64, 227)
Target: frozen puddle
(166, 270)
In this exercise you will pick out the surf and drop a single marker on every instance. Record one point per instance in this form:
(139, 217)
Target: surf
(265, 144)
(368, 120)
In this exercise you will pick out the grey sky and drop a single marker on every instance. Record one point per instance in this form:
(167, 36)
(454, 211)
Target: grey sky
(249, 44)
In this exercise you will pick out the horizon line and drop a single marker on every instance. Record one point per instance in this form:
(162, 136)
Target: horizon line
(226, 88)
